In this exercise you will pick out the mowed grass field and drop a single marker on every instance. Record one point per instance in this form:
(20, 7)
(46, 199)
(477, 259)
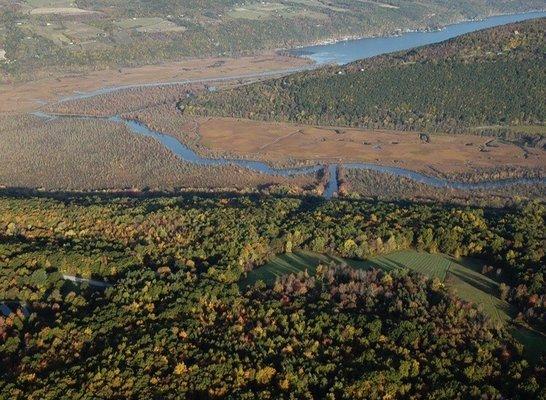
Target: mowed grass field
(463, 276)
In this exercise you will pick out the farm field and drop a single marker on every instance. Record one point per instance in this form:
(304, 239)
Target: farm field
(149, 25)
(433, 265)
(462, 276)
(267, 11)
(136, 33)
(279, 142)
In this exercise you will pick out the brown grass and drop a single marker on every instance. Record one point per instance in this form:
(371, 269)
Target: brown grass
(73, 154)
(18, 97)
(123, 101)
(279, 142)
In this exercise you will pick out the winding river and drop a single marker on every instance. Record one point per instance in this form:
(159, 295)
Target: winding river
(188, 155)
(340, 53)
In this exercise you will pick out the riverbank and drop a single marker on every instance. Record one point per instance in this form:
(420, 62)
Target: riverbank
(398, 32)
(29, 96)
(352, 48)
(186, 154)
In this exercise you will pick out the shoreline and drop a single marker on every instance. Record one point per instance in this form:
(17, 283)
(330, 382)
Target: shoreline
(396, 33)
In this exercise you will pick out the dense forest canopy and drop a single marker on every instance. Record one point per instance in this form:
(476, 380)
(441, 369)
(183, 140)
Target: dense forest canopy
(490, 78)
(91, 34)
(155, 295)
(173, 322)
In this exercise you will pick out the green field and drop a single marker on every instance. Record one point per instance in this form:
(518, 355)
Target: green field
(463, 276)
(149, 25)
(264, 11)
(433, 265)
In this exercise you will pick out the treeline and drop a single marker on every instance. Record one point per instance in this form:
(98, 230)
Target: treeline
(428, 89)
(384, 186)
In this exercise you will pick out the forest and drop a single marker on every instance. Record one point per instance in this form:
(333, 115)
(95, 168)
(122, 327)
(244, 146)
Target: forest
(457, 86)
(53, 37)
(172, 321)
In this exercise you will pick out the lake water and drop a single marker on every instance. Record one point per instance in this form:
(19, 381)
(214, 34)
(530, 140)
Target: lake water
(351, 50)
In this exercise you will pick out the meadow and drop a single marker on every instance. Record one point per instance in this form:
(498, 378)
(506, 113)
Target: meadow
(463, 276)
(432, 265)
(50, 87)
(443, 154)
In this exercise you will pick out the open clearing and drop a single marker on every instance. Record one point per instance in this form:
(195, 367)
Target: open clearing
(60, 11)
(26, 96)
(463, 276)
(150, 25)
(280, 142)
(263, 11)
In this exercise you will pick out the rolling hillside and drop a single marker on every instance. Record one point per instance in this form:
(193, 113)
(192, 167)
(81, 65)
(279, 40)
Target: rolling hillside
(91, 34)
(488, 80)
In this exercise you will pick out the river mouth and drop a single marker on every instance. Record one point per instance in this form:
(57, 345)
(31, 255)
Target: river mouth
(339, 53)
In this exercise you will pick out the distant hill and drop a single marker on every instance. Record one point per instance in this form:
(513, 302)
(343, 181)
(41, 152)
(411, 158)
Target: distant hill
(67, 35)
(491, 78)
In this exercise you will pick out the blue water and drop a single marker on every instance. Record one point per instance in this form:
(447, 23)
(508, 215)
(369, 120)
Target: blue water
(340, 53)
(333, 184)
(351, 50)
(188, 155)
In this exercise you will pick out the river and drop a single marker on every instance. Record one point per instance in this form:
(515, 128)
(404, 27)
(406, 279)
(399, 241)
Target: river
(340, 53)
(344, 52)
(188, 155)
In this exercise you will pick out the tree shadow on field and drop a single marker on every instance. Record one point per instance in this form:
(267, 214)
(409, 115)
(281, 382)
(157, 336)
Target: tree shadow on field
(479, 283)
